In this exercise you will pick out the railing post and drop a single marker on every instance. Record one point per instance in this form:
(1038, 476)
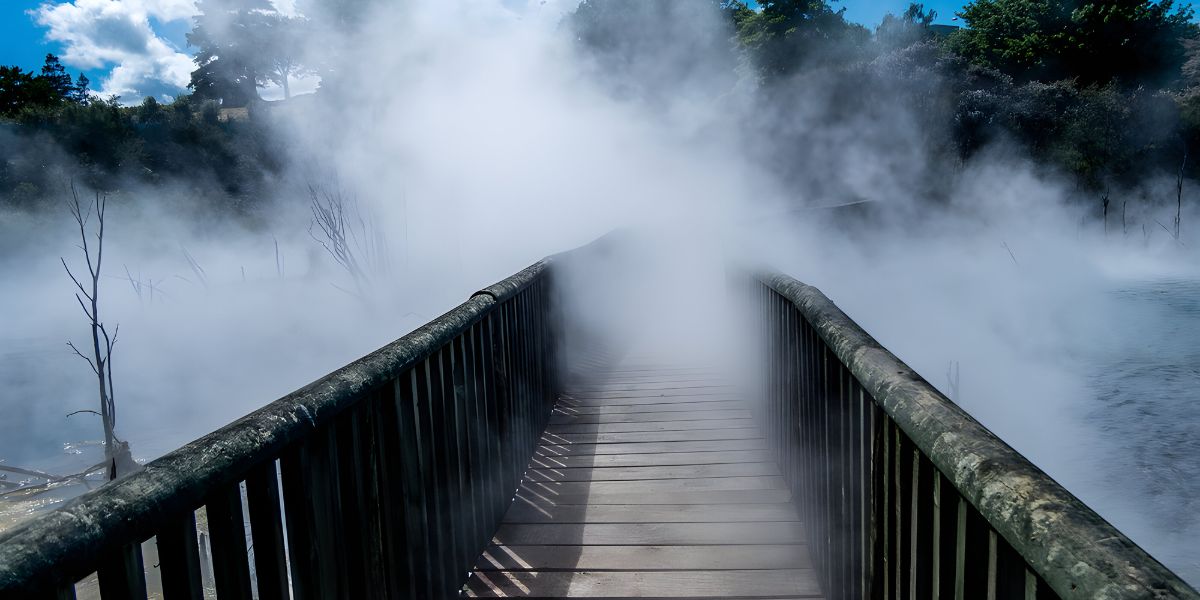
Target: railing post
(122, 574)
(266, 526)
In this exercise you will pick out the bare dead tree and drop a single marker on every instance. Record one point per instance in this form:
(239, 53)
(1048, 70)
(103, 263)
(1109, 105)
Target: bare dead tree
(1105, 201)
(1179, 194)
(116, 452)
(279, 261)
(1010, 253)
(197, 270)
(953, 373)
(349, 236)
(144, 289)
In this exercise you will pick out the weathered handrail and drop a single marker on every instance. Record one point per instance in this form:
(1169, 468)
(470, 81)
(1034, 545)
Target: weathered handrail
(906, 495)
(388, 476)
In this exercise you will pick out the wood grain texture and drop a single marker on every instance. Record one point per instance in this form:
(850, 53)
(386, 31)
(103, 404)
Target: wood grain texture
(551, 461)
(790, 583)
(542, 474)
(727, 433)
(654, 484)
(643, 558)
(651, 426)
(524, 510)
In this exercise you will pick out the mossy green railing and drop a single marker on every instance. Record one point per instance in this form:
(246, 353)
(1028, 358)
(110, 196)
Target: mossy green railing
(905, 495)
(383, 479)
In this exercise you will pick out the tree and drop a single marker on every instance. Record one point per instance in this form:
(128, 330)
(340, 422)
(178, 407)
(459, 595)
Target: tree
(228, 65)
(57, 78)
(80, 92)
(20, 89)
(1132, 42)
(281, 45)
(116, 452)
(14, 89)
(660, 48)
(783, 36)
(906, 29)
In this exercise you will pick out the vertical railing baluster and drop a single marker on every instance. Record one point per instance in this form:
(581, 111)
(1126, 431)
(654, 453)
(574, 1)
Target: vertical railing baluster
(493, 495)
(947, 538)
(887, 558)
(853, 487)
(302, 556)
(231, 567)
(419, 521)
(122, 574)
(393, 471)
(179, 559)
(1010, 572)
(464, 393)
(902, 509)
(266, 526)
(360, 501)
(877, 535)
(937, 549)
(433, 467)
(446, 413)
(924, 526)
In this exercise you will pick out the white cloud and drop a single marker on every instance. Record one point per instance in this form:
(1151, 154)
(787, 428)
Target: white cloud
(117, 34)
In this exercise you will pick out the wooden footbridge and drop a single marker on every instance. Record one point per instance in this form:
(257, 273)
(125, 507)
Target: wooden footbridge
(487, 454)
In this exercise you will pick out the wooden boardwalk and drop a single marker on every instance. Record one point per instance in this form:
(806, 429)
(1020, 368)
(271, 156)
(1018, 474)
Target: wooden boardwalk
(650, 482)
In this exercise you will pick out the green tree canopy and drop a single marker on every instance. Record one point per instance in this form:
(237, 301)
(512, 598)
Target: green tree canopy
(908, 28)
(783, 36)
(20, 90)
(1132, 42)
(229, 63)
(658, 48)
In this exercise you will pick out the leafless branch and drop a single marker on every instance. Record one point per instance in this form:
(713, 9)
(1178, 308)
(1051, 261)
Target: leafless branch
(115, 451)
(80, 355)
(348, 235)
(201, 275)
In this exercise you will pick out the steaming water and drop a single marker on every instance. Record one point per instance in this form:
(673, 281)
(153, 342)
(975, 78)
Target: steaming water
(1146, 387)
(1141, 379)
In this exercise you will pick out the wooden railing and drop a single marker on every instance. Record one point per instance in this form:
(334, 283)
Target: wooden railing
(383, 479)
(904, 495)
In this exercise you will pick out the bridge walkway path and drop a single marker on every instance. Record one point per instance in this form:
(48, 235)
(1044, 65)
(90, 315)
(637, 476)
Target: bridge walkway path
(650, 482)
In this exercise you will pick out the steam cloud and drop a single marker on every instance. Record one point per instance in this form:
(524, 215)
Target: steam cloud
(474, 138)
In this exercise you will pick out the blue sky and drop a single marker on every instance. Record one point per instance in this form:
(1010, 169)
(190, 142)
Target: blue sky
(870, 12)
(21, 42)
(135, 48)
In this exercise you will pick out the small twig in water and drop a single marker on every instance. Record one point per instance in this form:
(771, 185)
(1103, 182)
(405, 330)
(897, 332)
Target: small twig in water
(1010, 253)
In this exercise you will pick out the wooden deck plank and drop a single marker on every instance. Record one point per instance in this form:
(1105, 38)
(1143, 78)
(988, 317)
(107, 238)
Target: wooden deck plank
(648, 386)
(651, 472)
(552, 450)
(653, 486)
(643, 558)
(649, 484)
(643, 400)
(525, 511)
(720, 457)
(674, 497)
(797, 583)
(559, 418)
(646, 394)
(726, 433)
(683, 407)
(651, 426)
(649, 534)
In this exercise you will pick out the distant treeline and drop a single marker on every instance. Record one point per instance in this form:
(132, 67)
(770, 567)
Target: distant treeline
(53, 131)
(1104, 91)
